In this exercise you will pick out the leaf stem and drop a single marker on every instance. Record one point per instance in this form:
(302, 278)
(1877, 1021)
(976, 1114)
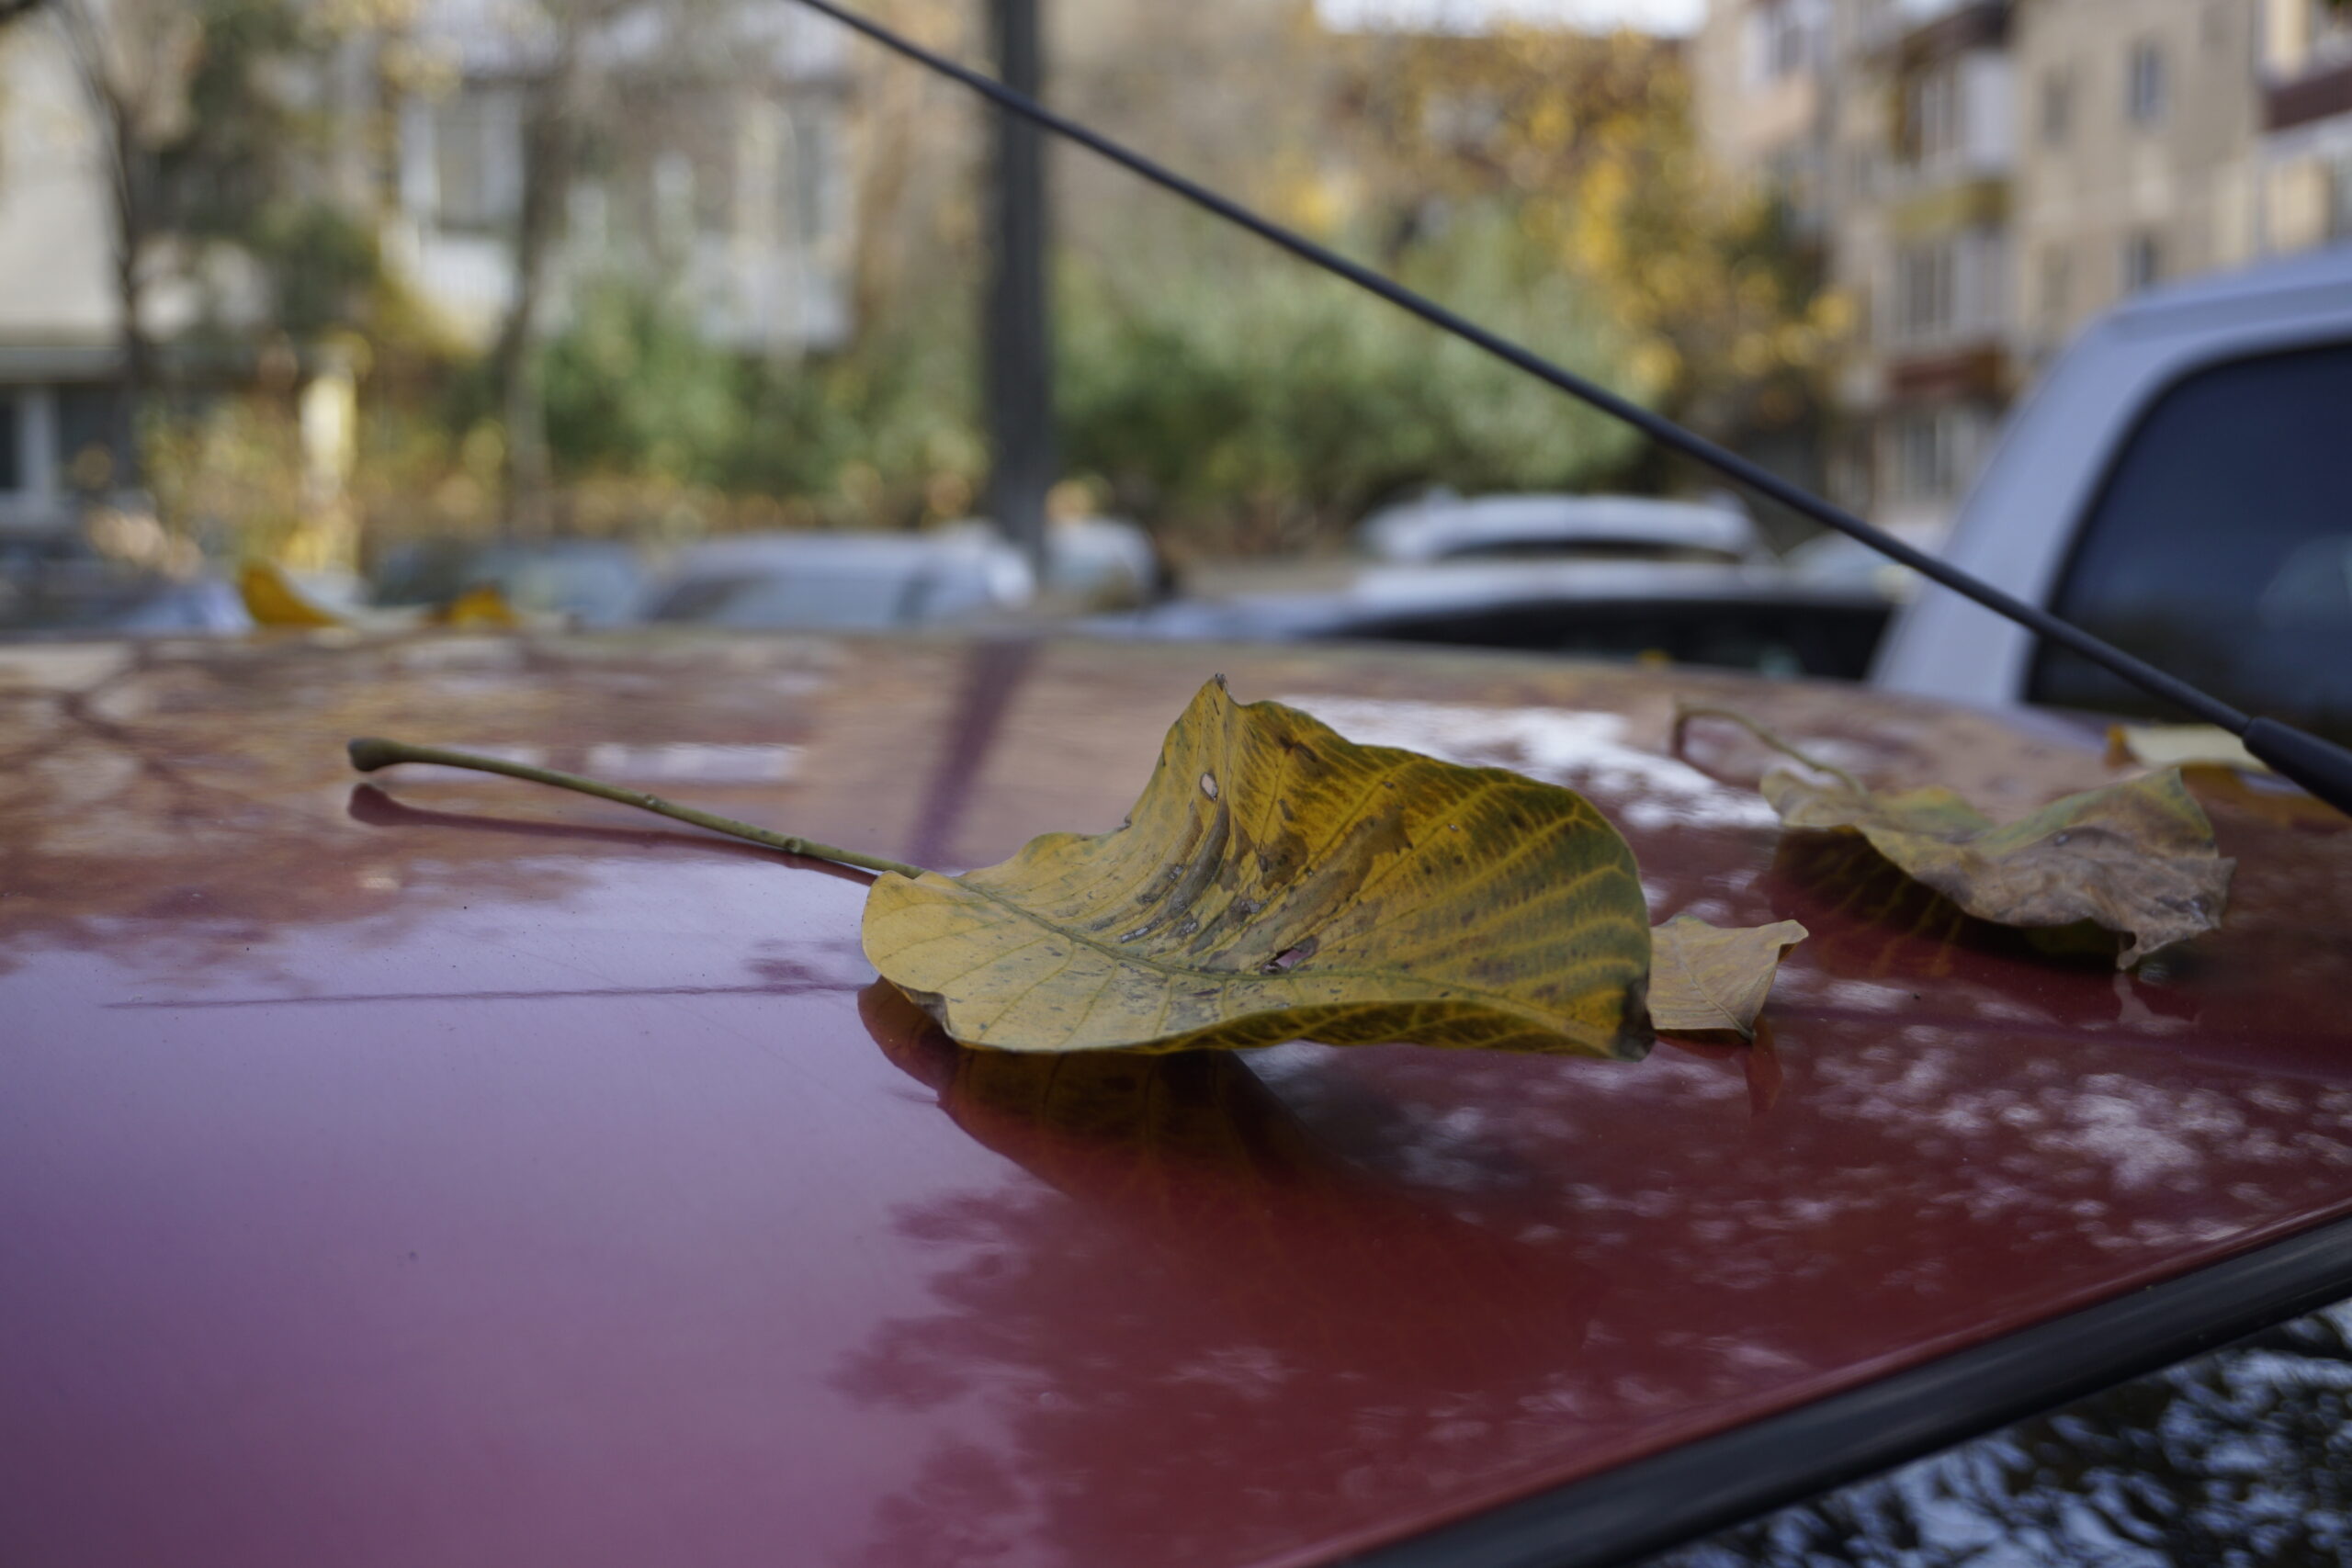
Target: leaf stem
(370, 752)
(1685, 712)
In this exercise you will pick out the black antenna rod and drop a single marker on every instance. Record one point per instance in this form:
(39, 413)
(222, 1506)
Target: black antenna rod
(2323, 769)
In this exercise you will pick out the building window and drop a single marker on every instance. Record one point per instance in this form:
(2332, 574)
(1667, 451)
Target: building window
(1931, 115)
(1783, 39)
(1926, 291)
(2221, 23)
(92, 428)
(2327, 25)
(2143, 261)
(477, 159)
(12, 465)
(810, 196)
(2057, 107)
(672, 185)
(1928, 459)
(2143, 85)
(1860, 180)
(2057, 282)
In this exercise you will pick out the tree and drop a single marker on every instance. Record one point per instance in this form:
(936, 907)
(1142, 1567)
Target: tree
(599, 81)
(554, 115)
(135, 59)
(201, 136)
(1588, 143)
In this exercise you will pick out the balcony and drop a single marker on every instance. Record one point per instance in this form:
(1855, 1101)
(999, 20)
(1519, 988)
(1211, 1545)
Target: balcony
(1914, 34)
(2321, 93)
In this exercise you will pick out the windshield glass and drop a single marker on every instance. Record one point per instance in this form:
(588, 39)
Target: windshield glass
(2221, 548)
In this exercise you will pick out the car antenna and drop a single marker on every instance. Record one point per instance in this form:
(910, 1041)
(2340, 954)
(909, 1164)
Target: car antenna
(2323, 768)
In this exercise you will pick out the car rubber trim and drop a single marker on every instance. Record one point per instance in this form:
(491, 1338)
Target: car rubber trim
(1686, 1493)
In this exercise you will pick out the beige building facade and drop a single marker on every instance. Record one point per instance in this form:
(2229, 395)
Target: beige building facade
(1987, 175)
(739, 196)
(2137, 153)
(2305, 155)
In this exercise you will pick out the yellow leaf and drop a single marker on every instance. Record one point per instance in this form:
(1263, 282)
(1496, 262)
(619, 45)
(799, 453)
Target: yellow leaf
(272, 599)
(2227, 787)
(2135, 857)
(1277, 882)
(1705, 979)
(2179, 746)
(479, 608)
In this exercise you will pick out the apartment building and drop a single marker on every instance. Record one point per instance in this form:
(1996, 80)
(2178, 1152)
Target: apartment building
(2305, 153)
(2137, 160)
(59, 341)
(1919, 234)
(721, 171)
(727, 180)
(1889, 130)
(1987, 175)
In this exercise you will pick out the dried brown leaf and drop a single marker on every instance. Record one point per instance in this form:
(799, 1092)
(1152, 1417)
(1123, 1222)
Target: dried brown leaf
(2136, 857)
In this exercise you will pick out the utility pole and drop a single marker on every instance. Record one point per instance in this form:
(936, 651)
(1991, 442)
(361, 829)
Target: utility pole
(1018, 381)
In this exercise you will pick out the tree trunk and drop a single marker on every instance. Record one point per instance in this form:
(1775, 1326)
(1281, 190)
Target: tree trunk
(130, 187)
(550, 148)
(131, 182)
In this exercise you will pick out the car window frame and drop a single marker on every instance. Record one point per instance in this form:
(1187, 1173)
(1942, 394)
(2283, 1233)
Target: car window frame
(2115, 451)
(2053, 450)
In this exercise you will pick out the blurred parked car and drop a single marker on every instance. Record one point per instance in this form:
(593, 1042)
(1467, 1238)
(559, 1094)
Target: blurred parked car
(843, 582)
(1605, 576)
(1442, 527)
(589, 583)
(1102, 563)
(57, 585)
(2180, 483)
(206, 604)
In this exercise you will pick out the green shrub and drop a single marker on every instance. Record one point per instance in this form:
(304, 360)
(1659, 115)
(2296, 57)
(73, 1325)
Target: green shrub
(1262, 406)
(631, 386)
(1252, 405)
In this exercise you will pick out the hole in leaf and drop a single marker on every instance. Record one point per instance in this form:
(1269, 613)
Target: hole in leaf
(1290, 957)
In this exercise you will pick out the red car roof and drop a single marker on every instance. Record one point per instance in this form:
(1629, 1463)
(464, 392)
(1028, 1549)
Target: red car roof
(453, 1171)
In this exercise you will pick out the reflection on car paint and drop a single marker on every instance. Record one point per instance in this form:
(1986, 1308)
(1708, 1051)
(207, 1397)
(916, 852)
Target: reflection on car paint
(1583, 750)
(688, 764)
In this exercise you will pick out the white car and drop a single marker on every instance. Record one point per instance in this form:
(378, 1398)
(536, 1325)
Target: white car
(1442, 527)
(820, 581)
(2180, 483)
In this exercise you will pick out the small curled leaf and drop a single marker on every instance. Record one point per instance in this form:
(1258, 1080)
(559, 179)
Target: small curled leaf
(1708, 979)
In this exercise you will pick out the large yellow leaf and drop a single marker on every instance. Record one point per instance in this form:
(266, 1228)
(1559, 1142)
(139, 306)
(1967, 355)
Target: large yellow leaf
(2135, 857)
(1277, 882)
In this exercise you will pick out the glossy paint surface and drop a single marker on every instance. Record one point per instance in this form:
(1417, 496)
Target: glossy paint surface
(447, 1170)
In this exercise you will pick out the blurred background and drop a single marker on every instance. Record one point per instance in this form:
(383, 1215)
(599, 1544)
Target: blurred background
(703, 310)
